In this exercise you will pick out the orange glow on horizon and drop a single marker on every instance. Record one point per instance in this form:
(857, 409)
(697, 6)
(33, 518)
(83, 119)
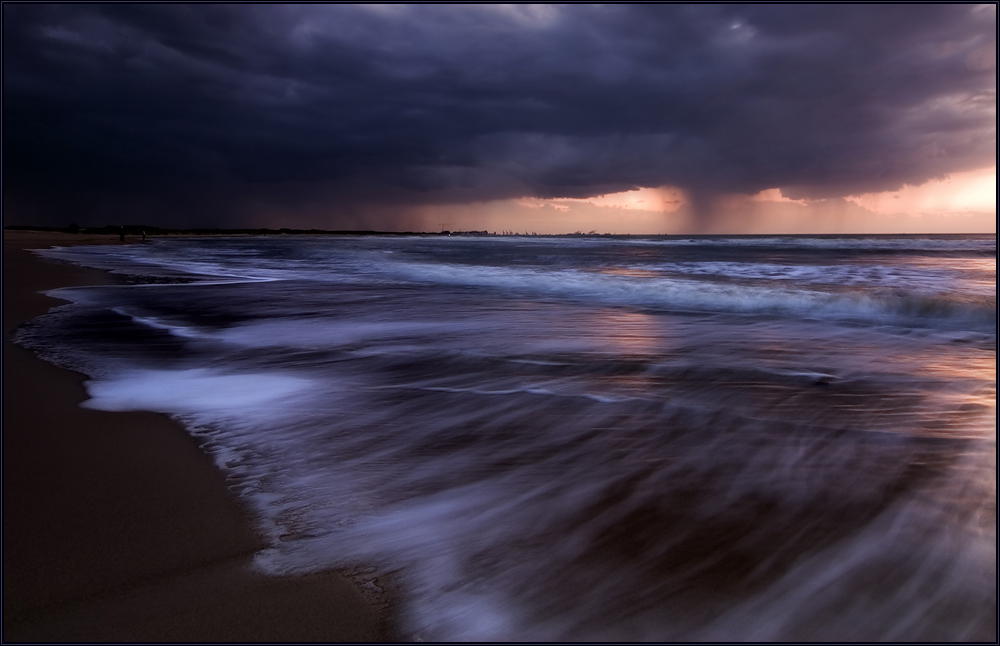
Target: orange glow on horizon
(960, 203)
(664, 199)
(958, 193)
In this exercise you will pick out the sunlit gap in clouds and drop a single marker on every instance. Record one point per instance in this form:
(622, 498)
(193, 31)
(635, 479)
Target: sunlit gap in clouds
(642, 211)
(974, 190)
(665, 199)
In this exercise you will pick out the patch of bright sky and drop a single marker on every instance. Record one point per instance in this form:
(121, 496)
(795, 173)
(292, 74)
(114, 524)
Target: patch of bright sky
(961, 203)
(969, 191)
(665, 199)
(774, 195)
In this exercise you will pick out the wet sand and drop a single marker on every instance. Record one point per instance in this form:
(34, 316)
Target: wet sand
(116, 527)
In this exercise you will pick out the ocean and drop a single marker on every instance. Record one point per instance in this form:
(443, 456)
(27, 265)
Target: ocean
(619, 438)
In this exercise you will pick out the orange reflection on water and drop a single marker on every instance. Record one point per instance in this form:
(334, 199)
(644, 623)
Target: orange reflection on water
(985, 268)
(628, 332)
(625, 271)
(968, 408)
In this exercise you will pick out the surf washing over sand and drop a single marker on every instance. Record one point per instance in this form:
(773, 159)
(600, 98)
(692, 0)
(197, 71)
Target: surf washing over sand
(561, 438)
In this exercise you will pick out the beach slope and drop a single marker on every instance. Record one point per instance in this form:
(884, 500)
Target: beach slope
(116, 527)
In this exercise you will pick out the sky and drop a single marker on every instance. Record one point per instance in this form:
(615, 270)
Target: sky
(705, 118)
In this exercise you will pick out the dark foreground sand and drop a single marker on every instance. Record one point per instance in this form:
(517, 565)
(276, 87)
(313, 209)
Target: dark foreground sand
(116, 527)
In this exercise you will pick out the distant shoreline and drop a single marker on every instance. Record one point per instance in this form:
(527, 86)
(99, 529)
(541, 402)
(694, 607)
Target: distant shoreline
(133, 230)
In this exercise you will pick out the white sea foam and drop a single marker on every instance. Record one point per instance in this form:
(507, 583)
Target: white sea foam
(933, 279)
(133, 259)
(195, 390)
(183, 331)
(952, 291)
(693, 295)
(887, 243)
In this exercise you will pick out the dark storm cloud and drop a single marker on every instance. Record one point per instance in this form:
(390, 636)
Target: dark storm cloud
(450, 103)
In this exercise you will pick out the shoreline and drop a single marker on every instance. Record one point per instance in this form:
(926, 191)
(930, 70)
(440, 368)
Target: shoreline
(117, 527)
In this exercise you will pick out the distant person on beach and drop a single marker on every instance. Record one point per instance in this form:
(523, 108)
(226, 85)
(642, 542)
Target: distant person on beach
(143, 236)
(121, 236)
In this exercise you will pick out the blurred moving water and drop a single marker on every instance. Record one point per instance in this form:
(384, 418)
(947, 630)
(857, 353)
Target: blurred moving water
(585, 438)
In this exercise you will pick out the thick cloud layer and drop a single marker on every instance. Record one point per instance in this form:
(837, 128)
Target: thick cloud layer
(194, 104)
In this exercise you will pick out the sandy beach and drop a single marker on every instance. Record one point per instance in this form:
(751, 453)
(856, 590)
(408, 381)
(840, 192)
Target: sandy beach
(116, 527)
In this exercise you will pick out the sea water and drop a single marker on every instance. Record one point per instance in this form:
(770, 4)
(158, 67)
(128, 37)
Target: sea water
(583, 438)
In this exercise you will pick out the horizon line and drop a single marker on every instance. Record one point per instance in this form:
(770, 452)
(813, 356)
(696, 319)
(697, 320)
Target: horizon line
(138, 229)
